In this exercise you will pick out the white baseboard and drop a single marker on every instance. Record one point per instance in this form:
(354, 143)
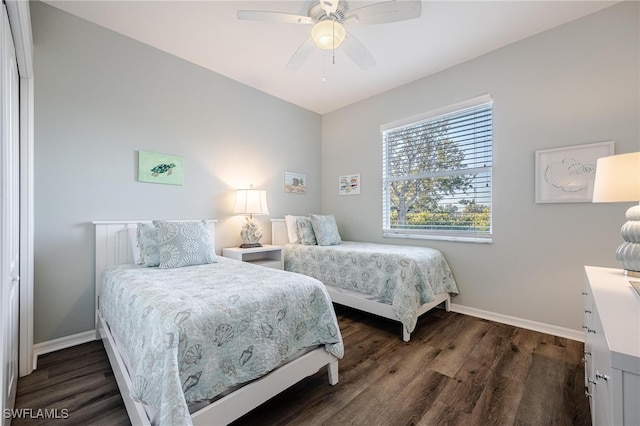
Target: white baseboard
(88, 336)
(520, 322)
(61, 343)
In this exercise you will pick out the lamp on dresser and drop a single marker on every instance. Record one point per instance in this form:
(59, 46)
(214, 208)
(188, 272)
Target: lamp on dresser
(251, 202)
(618, 180)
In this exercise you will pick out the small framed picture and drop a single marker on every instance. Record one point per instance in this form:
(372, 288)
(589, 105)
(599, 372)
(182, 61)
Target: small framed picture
(349, 185)
(295, 183)
(566, 175)
(154, 167)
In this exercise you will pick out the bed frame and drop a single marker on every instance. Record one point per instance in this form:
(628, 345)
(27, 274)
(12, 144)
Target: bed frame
(355, 300)
(113, 247)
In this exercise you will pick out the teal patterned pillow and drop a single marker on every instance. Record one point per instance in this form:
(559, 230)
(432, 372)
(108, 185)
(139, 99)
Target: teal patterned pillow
(304, 230)
(326, 230)
(184, 243)
(149, 253)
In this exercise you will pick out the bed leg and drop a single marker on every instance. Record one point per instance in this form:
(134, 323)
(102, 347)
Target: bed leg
(447, 304)
(332, 369)
(405, 334)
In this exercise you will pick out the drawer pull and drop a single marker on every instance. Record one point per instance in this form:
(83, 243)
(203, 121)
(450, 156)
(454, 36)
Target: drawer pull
(602, 376)
(593, 382)
(587, 394)
(587, 353)
(587, 311)
(591, 330)
(584, 293)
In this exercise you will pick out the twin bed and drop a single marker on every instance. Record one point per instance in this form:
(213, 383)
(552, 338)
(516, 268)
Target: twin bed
(206, 343)
(396, 282)
(204, 340)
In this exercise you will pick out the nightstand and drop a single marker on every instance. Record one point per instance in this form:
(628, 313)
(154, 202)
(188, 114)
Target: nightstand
(267, 255)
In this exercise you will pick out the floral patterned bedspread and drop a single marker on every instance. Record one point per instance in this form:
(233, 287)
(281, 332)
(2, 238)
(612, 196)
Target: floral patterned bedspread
(402, 276)
(190, 333)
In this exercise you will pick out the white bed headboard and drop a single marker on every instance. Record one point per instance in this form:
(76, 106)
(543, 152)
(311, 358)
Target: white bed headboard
(113, 244)
(279, 236)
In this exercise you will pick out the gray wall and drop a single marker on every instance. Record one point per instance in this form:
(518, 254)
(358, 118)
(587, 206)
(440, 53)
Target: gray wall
(99, 98)
(576, 84)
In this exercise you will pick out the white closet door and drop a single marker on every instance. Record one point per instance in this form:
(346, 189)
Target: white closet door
(9, 218)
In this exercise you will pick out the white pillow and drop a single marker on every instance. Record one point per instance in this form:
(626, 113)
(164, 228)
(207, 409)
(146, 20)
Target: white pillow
(135, 247)
(292, 228)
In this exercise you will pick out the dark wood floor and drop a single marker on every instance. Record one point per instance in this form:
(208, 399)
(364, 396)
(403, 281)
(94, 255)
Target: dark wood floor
(456, 370)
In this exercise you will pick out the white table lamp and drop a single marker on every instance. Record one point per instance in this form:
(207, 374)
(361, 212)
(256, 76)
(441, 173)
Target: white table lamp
(618, 180)
(249, 202)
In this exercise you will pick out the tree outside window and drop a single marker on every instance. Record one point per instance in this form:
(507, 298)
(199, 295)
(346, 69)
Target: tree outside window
(437, 175)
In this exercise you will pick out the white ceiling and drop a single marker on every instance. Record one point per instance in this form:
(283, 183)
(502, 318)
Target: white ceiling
(209, 34)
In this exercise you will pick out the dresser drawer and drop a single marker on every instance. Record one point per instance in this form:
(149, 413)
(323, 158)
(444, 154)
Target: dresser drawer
(600, 379)
(588, 339)
(612, 347)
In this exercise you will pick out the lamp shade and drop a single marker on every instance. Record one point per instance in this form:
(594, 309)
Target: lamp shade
(251, 201)
(617, 179)
(328, 34)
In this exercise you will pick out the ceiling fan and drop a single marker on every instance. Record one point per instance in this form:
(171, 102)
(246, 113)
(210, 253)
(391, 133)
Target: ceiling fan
(329, 18)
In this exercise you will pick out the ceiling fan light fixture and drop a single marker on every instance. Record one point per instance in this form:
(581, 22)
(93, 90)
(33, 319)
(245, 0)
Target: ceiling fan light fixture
(328, 34)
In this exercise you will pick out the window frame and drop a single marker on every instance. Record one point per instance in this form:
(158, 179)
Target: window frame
(449, 235)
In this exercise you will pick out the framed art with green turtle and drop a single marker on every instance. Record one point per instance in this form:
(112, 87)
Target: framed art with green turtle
(155, 167)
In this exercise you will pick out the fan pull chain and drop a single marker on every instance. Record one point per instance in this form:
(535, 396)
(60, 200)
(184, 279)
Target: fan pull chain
(324, 76)
(324, 73)
(333, 51)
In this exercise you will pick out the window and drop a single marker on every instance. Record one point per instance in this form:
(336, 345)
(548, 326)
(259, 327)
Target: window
(437, 174)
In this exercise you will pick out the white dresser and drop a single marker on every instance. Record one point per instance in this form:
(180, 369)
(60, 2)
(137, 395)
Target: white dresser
(612, 347)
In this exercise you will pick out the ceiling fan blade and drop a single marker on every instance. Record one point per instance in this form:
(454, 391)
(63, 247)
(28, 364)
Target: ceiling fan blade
(384, 12)
(301, 55)
(269, 16)
(356, 51)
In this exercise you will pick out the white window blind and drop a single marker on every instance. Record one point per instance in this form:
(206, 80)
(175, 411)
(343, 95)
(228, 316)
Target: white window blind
(437, 174)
